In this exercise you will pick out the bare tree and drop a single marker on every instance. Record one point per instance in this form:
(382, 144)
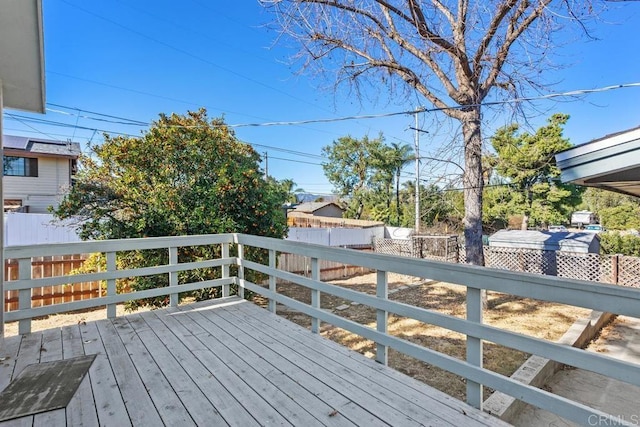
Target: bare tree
(454, 53)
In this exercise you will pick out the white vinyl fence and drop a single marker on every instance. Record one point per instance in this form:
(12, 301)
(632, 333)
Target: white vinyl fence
(345, 237)
(34, 229)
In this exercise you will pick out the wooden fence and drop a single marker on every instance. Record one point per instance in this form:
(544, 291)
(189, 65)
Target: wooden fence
(50, 267)
(329, 270)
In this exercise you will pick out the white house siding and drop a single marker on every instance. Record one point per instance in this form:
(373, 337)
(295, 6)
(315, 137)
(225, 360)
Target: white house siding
(44, 190)
(332, 211)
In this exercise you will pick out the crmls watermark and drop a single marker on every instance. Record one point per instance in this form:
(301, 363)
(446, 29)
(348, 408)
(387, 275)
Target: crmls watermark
(614, 420)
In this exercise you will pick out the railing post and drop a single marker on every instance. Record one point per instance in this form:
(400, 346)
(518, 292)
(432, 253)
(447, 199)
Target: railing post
(111, 284)
(24, 295)
(173, 276)
(315, 295)
(225, 269)
(272, 279)
(382, 291)
(474, 345)
(241, 271)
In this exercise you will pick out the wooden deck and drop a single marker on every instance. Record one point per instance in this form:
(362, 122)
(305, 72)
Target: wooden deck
(225, 362)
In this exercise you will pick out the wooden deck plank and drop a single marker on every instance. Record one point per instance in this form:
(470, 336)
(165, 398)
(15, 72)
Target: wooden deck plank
(19, 422)
(29, 353)
(139, 405)
(9, 348)
(230, 409)
(341, 402)
(254, 356)
(81, 411)
(164, 397)
(236, 387)
(196, 404)
(50, 418)
(386, 403)
(51, 350)
(109, 403)
(418, 393)
(284, 402)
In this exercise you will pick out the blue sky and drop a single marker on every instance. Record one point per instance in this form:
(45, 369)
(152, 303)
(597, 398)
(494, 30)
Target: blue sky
(135, 59)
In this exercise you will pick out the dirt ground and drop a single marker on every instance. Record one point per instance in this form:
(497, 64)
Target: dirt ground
(529, 317)
(534, 318)
(59, 320)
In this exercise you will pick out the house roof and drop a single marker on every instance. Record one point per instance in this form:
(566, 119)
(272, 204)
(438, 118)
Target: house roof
(611, 163)
(15, 144)
(314, 206)
(564, 240)
(21, 50)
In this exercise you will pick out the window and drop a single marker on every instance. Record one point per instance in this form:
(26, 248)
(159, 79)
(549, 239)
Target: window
(20, 166)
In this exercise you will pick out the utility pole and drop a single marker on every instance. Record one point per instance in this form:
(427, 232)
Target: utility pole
(417, 151)
(266, 165)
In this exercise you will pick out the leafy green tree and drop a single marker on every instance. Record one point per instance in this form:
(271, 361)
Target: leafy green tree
(616, 211)
(352, 166)
(288, 188)
(186, 175)
(436, 206)
(616, 243)
(527, 161)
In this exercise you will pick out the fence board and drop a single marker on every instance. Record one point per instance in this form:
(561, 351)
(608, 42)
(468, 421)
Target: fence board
(42, 267)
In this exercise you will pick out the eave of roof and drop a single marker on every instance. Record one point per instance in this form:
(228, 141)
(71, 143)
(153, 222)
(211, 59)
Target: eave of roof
(611, 163)
(22, 50)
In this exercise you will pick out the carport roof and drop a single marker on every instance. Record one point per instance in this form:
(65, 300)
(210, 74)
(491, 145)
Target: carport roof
(611, 163)
(21, 50)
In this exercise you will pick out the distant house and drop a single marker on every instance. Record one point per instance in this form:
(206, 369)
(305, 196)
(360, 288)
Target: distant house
(37, 172)
(327, 209)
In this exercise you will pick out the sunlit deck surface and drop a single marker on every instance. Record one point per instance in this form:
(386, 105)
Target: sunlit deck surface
(225, 362)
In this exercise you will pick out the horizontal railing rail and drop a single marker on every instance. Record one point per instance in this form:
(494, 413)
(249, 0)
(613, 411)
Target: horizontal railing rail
(110, 248)
(602, 297)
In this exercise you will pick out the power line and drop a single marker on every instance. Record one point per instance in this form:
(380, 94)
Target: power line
(295, 161)
(405, 112)
(25, 119)
(189, 54)
(433, 110)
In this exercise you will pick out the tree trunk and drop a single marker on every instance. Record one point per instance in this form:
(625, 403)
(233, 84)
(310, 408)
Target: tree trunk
(473, 184)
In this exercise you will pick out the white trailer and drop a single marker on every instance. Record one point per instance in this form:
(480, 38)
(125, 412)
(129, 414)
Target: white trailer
(582, 218)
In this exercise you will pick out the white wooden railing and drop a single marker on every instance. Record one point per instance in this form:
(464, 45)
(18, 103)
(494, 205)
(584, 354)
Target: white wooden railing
(606, 298)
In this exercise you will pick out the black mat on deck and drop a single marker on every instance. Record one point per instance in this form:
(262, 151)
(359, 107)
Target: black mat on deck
(43, 387)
